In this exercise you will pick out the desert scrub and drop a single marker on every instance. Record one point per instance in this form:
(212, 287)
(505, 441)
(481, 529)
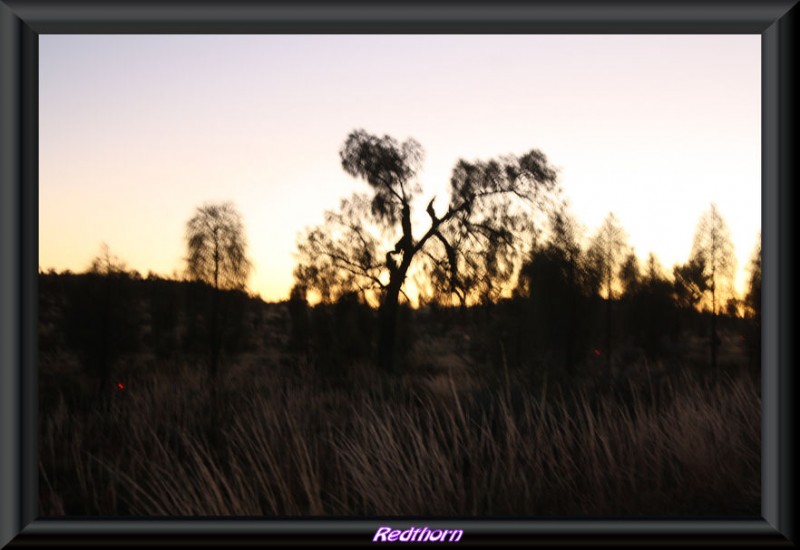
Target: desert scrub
(686, 447)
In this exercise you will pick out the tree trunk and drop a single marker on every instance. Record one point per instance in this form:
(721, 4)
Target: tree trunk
(104, 359)
(215, 314)
(569, 348)
(215, 339)
(215, 336)
(387, 337)
(569, 344)
(387, 318)
(713, 330)
(608, 336)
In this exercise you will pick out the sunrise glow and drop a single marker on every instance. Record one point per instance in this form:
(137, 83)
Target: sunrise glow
(137, 131)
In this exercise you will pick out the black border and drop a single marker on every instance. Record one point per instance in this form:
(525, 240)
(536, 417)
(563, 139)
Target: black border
(21, 21)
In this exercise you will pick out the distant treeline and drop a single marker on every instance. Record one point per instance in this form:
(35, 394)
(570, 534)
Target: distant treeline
(503, 268)
(103, 316)
(546, 327)
(551, 326)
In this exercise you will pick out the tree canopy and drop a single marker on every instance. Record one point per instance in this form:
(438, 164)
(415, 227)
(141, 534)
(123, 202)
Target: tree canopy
(217, 256)
(471, 250)
(712, 252)
(217, 246)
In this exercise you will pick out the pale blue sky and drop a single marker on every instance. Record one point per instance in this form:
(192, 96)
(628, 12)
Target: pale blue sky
(136, 131)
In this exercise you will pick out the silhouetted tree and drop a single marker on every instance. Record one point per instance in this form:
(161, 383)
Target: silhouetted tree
(100, 320)
(630, 275)
(752, 304)
(713, 249)
(550, 281)
(605, 256)
(299, 332)
(236, 334)
(651, 309)
(165, 306)
(691, 282)
(354, 322)
(340, 334)
(753, 296)
(732, 306)
(217, 256)
(368, 245)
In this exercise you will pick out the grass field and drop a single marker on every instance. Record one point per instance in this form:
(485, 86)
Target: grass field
(273, 439)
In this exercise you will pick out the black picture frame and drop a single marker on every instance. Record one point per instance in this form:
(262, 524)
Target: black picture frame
(22, 21)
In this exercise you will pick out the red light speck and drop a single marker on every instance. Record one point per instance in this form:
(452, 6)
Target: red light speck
(597, 352)
(120, 386)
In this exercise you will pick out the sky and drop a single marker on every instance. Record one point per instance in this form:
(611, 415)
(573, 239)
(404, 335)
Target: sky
(137, 131)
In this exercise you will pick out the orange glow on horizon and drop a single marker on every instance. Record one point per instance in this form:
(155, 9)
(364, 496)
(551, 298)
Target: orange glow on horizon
(134, 134)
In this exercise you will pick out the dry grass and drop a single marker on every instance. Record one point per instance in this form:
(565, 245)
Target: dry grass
(292, 446)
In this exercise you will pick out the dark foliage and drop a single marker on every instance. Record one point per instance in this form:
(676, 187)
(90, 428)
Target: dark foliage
(165, 301)
(469, 251)
(752, 334)
(650, 314)
(101, 321)
(341, 334)
(102, 318)
(299, 321)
